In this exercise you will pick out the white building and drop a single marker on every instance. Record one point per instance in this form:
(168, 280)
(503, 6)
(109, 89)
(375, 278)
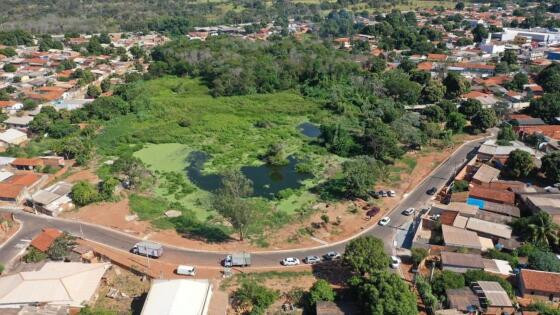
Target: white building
(12, 137)
(178, 297)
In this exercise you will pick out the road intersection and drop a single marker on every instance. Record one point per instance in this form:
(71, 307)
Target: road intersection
(417, 198)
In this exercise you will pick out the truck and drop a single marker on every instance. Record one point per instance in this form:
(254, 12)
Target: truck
(150, 249)
(237, 259)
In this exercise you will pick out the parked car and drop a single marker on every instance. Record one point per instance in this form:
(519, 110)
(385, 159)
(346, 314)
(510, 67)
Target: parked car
(332, 256)
(384, 221)
(382, 193)
(312, 260)
(391, 193)
(290, 261)
(432, 191)
(395, 262)
(186, 270)
(409, 211)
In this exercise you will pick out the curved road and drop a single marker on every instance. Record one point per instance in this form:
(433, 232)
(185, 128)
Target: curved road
(32, 224)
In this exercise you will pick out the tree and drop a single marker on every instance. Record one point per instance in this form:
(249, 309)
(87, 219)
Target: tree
(105, 85)
(455, 85)
(434, 113)
(418, 254)
(545, 261)
(456, 122)
(543, 231)
(93, 91)
(506, 134)
(360, 175)
(551, 166)
(257, 297)
(519, 164)
(133, 170)
(8, 67)
(29, 104)
(377, 64)
(484, 119)
(502, 67)
(383, 294)
(447, 106)
(34, 256)
(83, 193)
(459, 6)
(381, 141)
(546, 107)
(338, 139)
(480, 33)
(518, 81)
(231, 203)
(400, 87)
(510, 57)
(470, 107)
(447, 280)
(275, 155)
(320, 291)
(60, 247)
(365, 255)
(549, 78)
(433, 92)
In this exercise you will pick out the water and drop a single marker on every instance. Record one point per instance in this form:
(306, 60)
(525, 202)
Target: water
(310, 130)
(267, 180)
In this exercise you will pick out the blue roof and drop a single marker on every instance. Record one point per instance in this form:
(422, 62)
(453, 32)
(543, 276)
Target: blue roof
(475, 202)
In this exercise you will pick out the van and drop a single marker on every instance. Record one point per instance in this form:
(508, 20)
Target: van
(186, 270)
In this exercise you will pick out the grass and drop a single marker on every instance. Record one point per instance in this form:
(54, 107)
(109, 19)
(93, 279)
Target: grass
(181, 117)
(261, 276)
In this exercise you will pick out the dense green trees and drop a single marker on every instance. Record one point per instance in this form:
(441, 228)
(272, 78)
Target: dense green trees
(360, 175)
(366, 256)
(418, 254)
(551, 166)
(546, 107)
(506, 134)
(519, 164)
(46, 43)
(381, 141)
(255, 296)
(480, 33)
(545, 261)
(518, 81)
(484, 119)
(456, 122)
(15, 38)
(455, 85)
(83, 193)
(320, 291)
(549, 78)
(93, 91)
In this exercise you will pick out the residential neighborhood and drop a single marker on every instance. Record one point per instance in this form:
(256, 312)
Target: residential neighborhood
(324, 158)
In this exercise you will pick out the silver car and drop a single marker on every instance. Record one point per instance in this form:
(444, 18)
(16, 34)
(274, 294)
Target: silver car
(312, 260)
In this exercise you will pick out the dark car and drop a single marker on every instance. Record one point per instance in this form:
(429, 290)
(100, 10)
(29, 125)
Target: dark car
(432, 191)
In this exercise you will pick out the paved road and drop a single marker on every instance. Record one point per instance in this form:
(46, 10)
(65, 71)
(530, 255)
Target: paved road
(417, 199)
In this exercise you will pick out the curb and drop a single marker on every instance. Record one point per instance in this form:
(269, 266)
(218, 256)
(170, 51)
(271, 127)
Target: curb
(13, 235)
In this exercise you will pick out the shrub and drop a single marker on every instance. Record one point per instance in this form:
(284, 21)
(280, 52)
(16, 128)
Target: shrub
(447, 280)
(479, 275)
(255, 296)
(34, 256)
(418, 254)
(545, 261)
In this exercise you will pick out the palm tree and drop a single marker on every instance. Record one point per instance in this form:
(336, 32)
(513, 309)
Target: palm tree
(543, 231)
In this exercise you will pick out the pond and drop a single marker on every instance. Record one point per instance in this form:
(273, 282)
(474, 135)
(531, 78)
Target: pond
(310, 130)
(267, 180)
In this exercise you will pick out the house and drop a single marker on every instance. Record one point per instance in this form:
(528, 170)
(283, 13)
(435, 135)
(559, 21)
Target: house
(18, 122)
(458, 262)
(167, 297)
(539, 285)
(53, 200)
(493, 298)
(27, 164)
(485, 174)
(550, 131)
(489, 229)
(18, 187)
(463, 300)
(56, 283)
(45, 239)
(12, 137)
(455, 238)
(10, 106)
(525, 120)
(493, 195)
(547, 202)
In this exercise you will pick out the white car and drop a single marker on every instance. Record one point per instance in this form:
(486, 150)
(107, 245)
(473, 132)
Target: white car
(312, 260)
(395, 262)
(290, 261)
(332, 256)
(384, 221)
(391, 193)
(186, 270)
(409, 211)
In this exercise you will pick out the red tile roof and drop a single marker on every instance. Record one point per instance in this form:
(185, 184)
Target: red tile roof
(540, 281)
(494, 195)
(26, 162)
(425, 66)
(551, 131)
(480, 66)
(44, 240)
(474, 94)
(7, 103)
(10, 191)
(26, 179)
(437, 57)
